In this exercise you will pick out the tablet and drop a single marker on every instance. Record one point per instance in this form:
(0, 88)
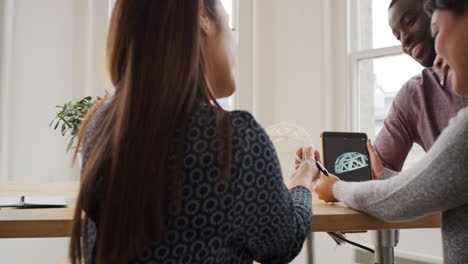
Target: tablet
(345, 155)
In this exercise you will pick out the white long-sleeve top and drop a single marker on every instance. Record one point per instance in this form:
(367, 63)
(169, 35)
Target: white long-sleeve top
(438, 183)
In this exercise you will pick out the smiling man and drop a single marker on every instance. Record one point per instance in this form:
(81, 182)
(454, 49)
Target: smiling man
(426, 103)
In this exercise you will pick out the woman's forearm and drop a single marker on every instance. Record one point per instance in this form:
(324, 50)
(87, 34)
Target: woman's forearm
(437, 183)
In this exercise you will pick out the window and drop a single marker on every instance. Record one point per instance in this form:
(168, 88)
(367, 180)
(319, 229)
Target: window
(231, 7)
(379, 68)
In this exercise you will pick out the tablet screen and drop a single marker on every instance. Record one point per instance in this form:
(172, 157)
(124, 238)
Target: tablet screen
(346, 156)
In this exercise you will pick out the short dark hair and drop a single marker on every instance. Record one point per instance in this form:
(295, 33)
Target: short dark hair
(392, 3)
(458, 7)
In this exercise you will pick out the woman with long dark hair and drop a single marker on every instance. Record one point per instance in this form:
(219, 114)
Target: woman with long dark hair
(168, 175)
(439, 182)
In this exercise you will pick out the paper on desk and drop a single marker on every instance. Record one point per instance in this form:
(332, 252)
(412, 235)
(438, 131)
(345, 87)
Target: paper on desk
(44, 201)
(33, 201)
(10, 201)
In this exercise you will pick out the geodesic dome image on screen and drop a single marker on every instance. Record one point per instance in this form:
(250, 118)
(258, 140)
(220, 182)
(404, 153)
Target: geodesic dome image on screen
(350, 161)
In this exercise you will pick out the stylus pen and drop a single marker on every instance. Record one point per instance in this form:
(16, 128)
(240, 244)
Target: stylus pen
(321, 168)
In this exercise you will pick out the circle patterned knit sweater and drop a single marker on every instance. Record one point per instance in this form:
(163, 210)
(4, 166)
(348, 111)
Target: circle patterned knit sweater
(249, 216)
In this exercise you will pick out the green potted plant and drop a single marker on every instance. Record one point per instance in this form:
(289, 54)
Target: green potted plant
(69, 118)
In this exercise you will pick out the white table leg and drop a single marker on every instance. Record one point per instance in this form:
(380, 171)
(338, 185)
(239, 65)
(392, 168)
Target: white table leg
(384, 243)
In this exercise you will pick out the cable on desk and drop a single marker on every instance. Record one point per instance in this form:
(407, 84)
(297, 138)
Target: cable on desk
(338, 237)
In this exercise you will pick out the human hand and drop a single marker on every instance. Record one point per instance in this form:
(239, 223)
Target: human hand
(306, 171)
(324, 188)
(376, 161)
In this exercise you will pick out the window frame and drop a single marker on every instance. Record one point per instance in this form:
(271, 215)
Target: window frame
(235, 27)
(244, 19)
(356, 56)
(355, 59)
(233, 100)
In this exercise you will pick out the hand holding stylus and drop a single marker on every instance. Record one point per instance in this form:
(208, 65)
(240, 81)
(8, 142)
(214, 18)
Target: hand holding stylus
(324, 187)
(306, 171)
(319, 165)
(304, 155)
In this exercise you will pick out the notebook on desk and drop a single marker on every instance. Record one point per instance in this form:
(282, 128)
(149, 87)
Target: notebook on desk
(33, 201)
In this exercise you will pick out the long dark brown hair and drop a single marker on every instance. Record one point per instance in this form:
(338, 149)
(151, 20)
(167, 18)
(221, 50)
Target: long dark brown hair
(157, 65)
(457, 7)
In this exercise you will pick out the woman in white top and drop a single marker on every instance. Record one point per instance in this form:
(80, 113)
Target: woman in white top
(439, 182)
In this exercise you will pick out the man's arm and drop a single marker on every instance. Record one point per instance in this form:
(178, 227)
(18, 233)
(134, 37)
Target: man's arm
(397, 136)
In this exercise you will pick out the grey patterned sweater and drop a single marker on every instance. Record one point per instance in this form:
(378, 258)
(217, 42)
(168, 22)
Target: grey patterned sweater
(252, 217)
(438, 183)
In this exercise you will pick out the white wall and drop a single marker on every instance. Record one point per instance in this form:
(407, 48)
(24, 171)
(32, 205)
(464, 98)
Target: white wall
(288, 70)
(40, 77)
(56, 55)
(51, 52)
(2, 66)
